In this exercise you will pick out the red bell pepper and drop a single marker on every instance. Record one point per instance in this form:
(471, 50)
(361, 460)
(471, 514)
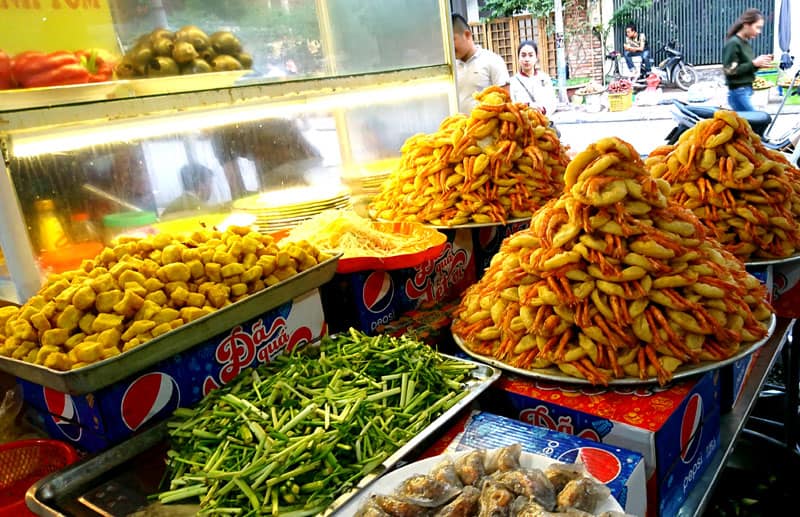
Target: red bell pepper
(5, 71)
(100, 68)
(35, 69)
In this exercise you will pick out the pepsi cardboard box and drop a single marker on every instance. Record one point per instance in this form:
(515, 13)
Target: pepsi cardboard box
(367, 300)
(95, 421)
(733, 378)
(623, 471)
(766, 275)
(486, 241)
(429, 324)
(786, 289)
(675, 428)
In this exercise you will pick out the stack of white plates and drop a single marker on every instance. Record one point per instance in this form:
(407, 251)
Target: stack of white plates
(284, 209)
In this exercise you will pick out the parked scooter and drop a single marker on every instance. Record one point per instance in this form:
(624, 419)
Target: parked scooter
(686, 116)
(672, 71)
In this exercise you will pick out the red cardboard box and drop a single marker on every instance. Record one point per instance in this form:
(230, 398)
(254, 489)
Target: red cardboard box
(676, 428)
(786, 289)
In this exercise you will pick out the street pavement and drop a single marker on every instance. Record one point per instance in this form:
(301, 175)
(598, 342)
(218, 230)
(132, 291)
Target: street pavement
(646, 127)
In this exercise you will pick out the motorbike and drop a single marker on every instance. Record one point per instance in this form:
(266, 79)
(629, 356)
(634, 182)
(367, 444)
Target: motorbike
(761, 122)
(671, 71)
(674, 70)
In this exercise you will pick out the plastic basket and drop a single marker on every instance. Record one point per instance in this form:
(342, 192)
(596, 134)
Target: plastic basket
(620, 101)
(768, 75)
(794, 95)
(23, 463)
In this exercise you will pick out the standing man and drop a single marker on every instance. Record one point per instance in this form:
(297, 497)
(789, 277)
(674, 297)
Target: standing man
(476, 68)
(636, 45)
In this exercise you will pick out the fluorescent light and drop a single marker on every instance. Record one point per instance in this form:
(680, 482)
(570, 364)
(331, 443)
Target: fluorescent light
(56, 140)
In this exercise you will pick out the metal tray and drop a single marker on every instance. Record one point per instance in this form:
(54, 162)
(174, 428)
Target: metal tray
(556, 375)
(773, 261)
(75, 489)
(104, 373)
(466, 225)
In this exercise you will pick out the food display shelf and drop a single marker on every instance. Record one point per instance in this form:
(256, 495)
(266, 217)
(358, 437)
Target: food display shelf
(732, 424)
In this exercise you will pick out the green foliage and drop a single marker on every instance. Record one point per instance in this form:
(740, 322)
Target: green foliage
(504, 8)
(543, 8)
(625, 12)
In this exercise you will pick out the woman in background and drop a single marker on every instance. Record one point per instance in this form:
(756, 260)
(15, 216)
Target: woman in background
(531, 85)
(739, 62)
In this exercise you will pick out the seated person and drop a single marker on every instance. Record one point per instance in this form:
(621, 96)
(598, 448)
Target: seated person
(636, 45)
(197, 180)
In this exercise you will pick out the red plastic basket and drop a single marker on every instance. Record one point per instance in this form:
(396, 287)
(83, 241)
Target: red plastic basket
(23, 463)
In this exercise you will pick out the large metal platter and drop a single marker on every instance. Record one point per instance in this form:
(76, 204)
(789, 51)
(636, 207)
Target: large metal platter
(468, 225)
(553, 374)
(104, 373)
(772, 261)
(71, 485)
(392, 481)
(478, 225)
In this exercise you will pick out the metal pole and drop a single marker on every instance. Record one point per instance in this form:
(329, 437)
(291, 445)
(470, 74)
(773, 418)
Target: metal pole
(560, 56)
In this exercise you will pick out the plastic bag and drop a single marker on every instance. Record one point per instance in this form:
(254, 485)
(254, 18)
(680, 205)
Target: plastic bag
(11, 428)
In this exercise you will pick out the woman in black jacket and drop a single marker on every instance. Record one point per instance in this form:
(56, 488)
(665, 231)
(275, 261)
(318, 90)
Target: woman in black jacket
(739, 62)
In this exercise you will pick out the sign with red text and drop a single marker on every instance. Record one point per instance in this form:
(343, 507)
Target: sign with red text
(50, 25)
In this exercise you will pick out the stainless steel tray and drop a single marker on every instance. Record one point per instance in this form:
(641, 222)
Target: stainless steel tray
(556, 375)
(773, 261)
(104, 373)
(72, 486)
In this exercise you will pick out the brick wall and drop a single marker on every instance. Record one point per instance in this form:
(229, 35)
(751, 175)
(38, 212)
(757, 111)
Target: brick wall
(583, 49)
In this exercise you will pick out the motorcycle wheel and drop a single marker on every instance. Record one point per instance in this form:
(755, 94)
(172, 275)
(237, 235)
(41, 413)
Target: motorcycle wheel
(685, 77)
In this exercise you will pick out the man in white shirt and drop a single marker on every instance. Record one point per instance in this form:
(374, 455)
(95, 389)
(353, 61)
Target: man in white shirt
(476, 67)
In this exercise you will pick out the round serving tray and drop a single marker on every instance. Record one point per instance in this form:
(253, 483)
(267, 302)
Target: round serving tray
(469, 225)
(554, 374)
(772, 261)
(478, 225)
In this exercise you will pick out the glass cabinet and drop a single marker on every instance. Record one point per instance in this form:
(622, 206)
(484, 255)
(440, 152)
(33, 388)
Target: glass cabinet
(334, 89)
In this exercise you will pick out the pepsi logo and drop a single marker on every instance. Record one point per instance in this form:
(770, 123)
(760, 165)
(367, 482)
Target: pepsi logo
(64, 413)
(691, 423)
(599, 463)
(488, 236)
(378, 291)
(153, 395)
(779, 281)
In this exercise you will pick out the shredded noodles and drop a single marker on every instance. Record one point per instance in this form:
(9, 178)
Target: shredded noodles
(354, 236)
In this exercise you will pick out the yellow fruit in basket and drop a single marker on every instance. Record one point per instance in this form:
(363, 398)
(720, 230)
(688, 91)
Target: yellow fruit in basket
(760, 84)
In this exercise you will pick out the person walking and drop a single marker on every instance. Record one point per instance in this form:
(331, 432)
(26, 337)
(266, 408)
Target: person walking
(739, 62)
(531, 85)
(476, 67)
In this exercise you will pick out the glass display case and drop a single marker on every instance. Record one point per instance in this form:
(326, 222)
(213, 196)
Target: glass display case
(336, 87)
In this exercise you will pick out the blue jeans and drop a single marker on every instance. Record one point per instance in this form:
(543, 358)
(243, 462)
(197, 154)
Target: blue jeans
(740, 98)
(645, 55)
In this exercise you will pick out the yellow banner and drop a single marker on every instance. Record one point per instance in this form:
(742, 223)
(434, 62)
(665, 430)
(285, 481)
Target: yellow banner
(50, 25)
